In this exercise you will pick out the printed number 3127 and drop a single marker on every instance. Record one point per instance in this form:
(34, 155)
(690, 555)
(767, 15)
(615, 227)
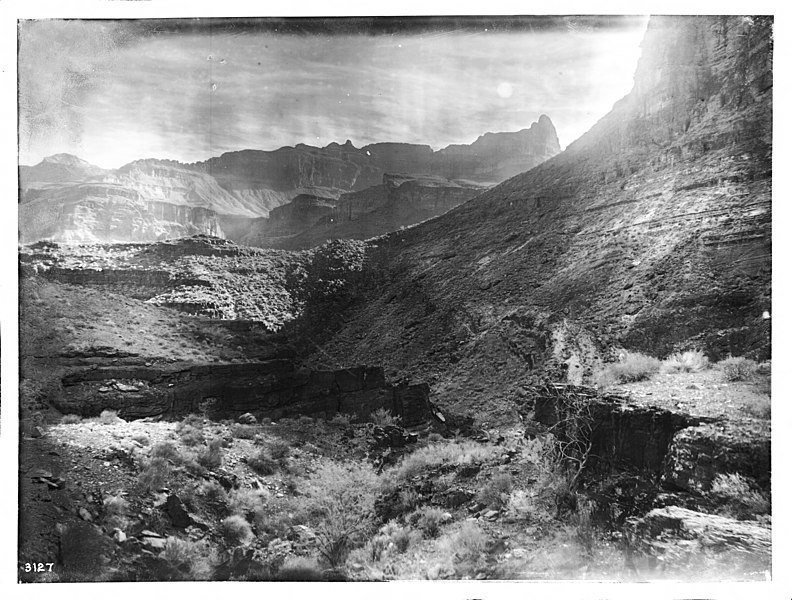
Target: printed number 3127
(38, 567)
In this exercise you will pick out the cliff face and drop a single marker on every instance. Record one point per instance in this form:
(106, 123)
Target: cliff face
(399, 201)
(652, 231)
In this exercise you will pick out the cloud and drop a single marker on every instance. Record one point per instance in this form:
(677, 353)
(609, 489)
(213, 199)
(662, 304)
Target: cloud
(122, 90)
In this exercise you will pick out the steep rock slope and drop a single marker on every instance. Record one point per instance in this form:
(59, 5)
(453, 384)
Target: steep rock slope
(652, 231)
(399, 201)
(58, 168)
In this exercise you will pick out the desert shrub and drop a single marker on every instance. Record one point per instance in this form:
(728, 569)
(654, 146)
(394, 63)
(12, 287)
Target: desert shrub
(299, 568)
(342, 419)
(246, 501)
(739, 498)
(633, 366)
(434, 437)
(340, 498)
(155, 474)
(469, 542)
(495, 493)
(191, 436)
(211, 457)
(403, 538)
(189, 561)
(738, 368)
(142, 439)
(109, 417)
(428, 520)
(70, 419)
(453, 453)
(244, 432)
(263, 463)
(691, 361)
(279, 450)
(382, 416)
(236, 530)
(167, 451)
(212, 491)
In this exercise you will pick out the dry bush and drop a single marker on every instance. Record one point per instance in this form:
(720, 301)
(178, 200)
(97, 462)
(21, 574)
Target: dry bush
(70, 419)
(247, 502)
(340, 499)
(428, 520)
(738, 368)
(213, 491)
(236, 530)
(382, 417)
(495, 493)
(453, 453)
(211, 457)
(343, 419)
(263, 463)
(166, 450)
(583, 529)
(279, 450)
(760, 408)
(739, 497)
(189, 561)
(691, 361)
(633, 366)
(156, 474)
(191, 436)
(469, 542)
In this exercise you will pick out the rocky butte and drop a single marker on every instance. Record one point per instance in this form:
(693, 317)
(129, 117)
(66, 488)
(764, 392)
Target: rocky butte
(66, 199)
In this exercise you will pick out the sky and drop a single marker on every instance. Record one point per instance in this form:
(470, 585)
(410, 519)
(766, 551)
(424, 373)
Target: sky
(114, 91)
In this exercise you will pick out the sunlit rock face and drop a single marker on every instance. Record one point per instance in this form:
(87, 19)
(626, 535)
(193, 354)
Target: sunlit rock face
(652, 232)
(66, 199)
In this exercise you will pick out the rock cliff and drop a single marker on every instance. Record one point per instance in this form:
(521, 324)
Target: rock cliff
(652, 231)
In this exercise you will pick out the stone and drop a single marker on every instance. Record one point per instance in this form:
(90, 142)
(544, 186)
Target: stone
(85, 514)
(119, 536)
(155, 543)
(247, 419)
(176, 512)
(456, 497)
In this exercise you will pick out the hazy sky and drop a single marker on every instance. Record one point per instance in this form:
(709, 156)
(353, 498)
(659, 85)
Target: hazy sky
(114, 91)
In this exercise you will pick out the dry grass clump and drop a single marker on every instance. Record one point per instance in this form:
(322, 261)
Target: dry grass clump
(495, 493)
(632, 366)
(691, 361)
(428, 520)
(382, 417)
(115, 505)
(155, 474)
(739, 497)
(70, 419)
(236, 530)
(738, 368)
(166, 450)
(189, 561)
(446, 453)
(469, 542)
(211, 457)
(263, 463)
(212, 491)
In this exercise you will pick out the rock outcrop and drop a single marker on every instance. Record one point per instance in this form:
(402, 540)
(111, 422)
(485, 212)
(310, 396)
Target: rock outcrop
(271, 389)
(399, 201)
(652, 231)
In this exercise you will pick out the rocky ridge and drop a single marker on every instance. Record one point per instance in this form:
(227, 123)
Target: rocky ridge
(66, 199)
